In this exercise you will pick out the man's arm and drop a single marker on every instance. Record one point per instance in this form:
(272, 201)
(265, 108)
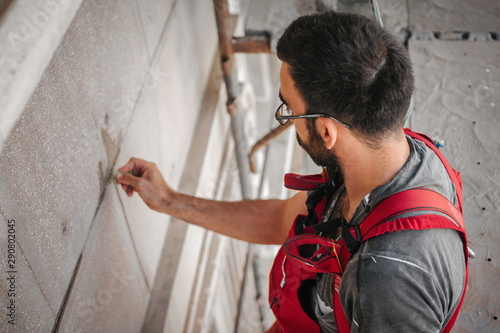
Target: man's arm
(256, 221)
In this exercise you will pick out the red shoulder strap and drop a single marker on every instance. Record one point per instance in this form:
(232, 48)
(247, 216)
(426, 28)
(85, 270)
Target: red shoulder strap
(294, 181)
(417, 199)
(454, 175)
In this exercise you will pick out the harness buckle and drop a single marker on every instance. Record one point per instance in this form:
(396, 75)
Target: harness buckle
(352, 242)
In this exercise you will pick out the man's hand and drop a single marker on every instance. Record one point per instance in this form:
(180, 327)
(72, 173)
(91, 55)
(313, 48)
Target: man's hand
(257, 221)
(147, 180)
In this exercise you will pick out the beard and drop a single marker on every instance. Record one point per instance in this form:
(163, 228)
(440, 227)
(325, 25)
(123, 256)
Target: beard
(320, 155)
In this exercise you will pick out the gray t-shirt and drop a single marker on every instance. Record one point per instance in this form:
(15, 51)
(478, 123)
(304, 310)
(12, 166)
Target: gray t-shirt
(404, 281)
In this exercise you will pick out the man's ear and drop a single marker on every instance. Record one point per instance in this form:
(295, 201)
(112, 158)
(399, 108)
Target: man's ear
(327, 129)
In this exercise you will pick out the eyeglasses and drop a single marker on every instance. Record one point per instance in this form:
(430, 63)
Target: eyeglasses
(283, 114)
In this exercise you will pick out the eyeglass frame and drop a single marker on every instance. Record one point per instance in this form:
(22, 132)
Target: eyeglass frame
(314, 115)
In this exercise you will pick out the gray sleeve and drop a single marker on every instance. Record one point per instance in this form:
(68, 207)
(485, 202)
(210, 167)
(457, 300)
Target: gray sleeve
(405, 281)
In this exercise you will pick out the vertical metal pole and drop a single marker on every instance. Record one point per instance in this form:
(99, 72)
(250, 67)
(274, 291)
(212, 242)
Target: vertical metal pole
(376, 12)
(225, 31)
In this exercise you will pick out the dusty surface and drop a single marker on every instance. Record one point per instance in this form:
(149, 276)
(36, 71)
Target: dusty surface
(454, 15)
(59, 153)
(30, 32)
(127, 78)
(113, 298)
(457, 101)
(55, 163)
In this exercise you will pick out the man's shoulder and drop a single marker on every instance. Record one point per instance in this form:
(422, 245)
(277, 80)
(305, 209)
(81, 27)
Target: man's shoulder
(424, 266)
(422, 246)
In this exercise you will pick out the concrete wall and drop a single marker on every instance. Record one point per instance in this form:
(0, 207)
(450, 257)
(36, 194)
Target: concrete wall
(85, 86)
(457, 102)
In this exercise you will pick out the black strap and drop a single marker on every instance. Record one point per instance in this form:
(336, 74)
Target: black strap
(312, 201)
(329, 228)
(352, 243)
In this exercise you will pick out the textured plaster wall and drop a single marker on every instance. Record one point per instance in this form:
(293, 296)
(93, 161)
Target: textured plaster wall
(29, 34)
(454, 15)
(457, 101)
(55, 162)
(124, 78)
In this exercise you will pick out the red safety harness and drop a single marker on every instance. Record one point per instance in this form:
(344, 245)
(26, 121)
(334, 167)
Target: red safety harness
(291, 267)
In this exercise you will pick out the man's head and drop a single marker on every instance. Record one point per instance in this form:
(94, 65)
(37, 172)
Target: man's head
(347, 66)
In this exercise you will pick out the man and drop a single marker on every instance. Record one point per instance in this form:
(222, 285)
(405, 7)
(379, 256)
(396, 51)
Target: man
(346, 84)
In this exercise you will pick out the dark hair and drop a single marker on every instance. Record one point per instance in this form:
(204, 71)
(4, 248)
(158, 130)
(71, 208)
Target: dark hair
(347, 66)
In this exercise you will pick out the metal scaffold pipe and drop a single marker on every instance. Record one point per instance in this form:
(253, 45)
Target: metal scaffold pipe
(225, 32)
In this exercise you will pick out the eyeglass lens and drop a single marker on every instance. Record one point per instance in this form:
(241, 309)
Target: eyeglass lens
(285, 111)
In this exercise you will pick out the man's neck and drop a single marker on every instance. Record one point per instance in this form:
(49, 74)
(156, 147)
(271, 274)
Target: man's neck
(365, 168)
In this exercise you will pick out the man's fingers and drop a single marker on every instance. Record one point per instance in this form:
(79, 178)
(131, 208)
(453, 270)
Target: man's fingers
(136, 165)
(131, 181)
(136, 175)
(127, 167)
(129, 191)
